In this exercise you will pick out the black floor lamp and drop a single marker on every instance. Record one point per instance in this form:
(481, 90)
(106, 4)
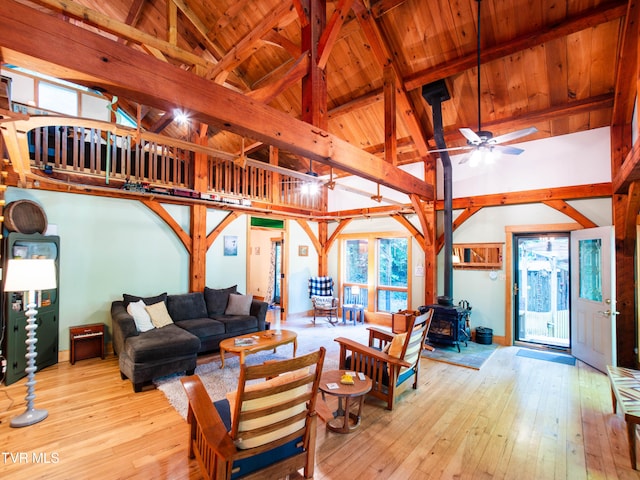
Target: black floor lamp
(30, 276)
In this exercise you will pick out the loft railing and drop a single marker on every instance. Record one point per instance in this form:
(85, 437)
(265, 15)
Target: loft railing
(151, 161)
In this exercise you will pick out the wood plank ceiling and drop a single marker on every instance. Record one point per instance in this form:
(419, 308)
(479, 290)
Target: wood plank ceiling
(549, 64)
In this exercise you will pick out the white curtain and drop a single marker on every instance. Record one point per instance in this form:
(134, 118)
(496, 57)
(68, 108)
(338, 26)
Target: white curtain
(272, 275)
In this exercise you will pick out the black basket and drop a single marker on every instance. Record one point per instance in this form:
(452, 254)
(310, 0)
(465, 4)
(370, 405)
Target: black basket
(484, 335)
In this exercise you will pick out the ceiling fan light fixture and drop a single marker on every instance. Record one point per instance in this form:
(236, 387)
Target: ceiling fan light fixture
(484, 139)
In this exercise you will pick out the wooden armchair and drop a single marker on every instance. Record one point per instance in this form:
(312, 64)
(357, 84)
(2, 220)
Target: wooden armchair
(263, 430)
(389, 360)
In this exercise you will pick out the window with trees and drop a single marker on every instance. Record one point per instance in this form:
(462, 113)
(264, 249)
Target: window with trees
(377, 266)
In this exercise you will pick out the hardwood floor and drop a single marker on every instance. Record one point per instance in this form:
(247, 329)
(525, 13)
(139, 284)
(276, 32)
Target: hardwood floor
(515, 418)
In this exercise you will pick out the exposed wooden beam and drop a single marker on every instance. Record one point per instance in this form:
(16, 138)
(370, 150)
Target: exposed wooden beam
(163, 122)
(282, 13)
(312, 236)
(402, 219)
(390, 128)
(334, 236)
(172, 22)
(624, 103)
(466, 214)
(330, 34)
(276, 38)
(201, 28)
(89, 58)
(133, 15)
(381, 7)
(603, 13)
(597, 190)
(571, 212)
(314, 84)
(170, 221)
(108, 24)
(629, 172)
(382, 52)
(215, 233)
(293, 75)
(370, 98)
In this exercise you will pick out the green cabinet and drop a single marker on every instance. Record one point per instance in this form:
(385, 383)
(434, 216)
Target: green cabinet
(21, 245)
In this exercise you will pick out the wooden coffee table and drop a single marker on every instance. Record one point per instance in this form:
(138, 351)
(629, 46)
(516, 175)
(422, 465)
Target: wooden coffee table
(344, 419)
(265, 340)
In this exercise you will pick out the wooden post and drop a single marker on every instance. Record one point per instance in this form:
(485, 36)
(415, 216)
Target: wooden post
(198, 260)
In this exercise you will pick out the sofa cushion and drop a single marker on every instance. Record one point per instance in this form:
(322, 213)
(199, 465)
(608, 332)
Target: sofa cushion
(217, 299)
(147, 300)
(161, 343)
(186, 306)
(159, 315)
(238, 323)
(203, 327)
(239, 304)
(140, 316)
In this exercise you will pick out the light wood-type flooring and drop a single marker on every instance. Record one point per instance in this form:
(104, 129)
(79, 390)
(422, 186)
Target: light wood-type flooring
(516, 418)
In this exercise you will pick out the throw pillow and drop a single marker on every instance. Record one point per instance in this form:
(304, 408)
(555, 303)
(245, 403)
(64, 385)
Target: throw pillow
(186, 306)
(140, 316)
(217, 299)
(239, 304)
(127, 299)
(395, 347)
(159, 315)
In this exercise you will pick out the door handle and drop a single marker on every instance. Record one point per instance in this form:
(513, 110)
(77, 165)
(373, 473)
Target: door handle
(515, 289)
(609, 313)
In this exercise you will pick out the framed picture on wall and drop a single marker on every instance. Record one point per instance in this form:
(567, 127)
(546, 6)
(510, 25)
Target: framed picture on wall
(230, 246)
(303, 250)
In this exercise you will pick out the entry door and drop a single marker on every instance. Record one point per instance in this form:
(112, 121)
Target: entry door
(593, 298)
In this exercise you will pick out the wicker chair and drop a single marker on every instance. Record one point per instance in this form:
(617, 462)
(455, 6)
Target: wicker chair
(263, 430)
(390, 364)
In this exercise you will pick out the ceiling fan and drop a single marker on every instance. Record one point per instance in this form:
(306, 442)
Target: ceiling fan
(482, 142)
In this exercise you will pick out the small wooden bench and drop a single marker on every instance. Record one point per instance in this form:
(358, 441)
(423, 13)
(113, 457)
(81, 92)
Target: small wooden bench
(625, 392)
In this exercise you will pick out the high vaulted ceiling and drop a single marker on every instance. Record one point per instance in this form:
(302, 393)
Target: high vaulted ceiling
(548, 63)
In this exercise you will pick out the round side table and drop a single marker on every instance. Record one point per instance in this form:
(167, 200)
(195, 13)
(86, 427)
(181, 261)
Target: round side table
(350, 397)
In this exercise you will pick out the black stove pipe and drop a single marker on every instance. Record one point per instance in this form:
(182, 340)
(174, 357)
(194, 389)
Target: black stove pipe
(435, 93)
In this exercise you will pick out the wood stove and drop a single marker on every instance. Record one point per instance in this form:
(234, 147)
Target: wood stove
(449, 324)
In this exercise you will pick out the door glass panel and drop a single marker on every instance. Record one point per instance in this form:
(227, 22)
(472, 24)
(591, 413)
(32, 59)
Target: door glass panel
(542, 294)
(590, 276)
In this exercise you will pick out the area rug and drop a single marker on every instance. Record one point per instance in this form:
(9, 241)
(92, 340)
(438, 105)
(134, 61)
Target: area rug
(218, 381)
(547, 356)
(474, 355)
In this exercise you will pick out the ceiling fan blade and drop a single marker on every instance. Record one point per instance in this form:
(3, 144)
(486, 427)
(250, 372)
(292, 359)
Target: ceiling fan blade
(507, 137)
(471, 136)
(507, 149)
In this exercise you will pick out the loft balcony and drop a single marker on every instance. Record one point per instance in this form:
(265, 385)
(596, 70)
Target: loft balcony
(87, 152)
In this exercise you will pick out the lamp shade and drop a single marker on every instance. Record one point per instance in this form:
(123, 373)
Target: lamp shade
(355, 290)
(29, 274)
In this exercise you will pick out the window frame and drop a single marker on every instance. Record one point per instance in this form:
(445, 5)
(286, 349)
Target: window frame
(372, 239)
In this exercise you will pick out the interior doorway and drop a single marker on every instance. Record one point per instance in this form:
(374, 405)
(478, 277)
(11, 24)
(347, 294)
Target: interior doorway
(542, 290)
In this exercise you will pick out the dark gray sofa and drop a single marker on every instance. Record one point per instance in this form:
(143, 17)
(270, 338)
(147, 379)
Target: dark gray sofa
(199, 324)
